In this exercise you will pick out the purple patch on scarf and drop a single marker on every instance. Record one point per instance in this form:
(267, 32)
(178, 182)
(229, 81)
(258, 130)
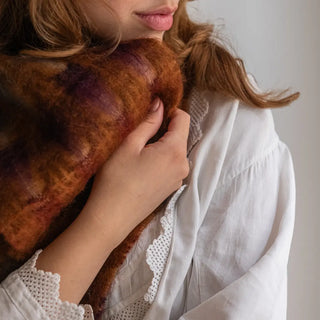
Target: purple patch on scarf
(84, 85)
(135, 61)
(132, 59)
(79, 82)
(52, 129)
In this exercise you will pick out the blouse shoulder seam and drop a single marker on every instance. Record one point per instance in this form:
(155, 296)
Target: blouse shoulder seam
(253, 162)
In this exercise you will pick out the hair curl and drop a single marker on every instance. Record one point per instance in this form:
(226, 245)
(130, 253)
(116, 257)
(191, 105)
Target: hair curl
(59, 28)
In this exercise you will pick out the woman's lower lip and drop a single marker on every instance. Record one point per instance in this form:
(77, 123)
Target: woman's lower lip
(159, 22)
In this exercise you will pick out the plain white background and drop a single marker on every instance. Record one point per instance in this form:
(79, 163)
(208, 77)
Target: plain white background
(279, 43)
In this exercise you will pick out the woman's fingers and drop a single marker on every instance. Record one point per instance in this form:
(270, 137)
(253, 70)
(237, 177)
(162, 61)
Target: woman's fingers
(178, 129)
(147, 128)
(136, 179)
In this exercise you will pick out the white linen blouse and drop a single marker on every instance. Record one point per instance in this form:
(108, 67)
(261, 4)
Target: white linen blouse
(220, 248)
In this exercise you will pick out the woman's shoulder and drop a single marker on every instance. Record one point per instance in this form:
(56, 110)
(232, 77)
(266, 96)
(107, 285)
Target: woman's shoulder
(240, 134)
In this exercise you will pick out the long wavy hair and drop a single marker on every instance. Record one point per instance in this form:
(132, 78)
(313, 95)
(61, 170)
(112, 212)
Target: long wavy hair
(59, 28)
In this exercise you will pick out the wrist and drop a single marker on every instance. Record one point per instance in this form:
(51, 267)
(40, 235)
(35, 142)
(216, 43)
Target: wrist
(107, 224)
(79, 252)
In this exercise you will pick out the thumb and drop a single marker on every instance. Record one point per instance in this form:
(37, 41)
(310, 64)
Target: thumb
(150, 126)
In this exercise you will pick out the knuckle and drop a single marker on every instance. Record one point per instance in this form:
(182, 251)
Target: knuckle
(181, 165)
(149, 120)
(177, 155)
(185, 168)
(185, 115)
(179, 184)
(130, 141)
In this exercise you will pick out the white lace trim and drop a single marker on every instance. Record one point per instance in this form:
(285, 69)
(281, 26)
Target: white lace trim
(44, 287)
(157, 252)
(88, 312)
(135, 310)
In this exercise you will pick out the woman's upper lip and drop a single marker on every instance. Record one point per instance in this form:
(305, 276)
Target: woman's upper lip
(162, 10)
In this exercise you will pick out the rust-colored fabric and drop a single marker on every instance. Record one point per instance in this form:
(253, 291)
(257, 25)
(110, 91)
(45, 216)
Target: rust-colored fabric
(60, 120)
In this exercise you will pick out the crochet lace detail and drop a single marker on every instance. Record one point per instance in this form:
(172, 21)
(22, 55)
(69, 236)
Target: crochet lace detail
(157, 252)
(133, 311)
(44, 287)
(199, 108)
(88, 312)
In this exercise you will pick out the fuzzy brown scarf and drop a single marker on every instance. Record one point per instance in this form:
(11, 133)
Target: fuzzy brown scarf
(60, 120)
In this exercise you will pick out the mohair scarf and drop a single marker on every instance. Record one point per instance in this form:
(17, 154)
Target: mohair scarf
(60, 120)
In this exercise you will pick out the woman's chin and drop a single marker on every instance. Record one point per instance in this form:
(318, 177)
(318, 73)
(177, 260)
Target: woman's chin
(153, 35)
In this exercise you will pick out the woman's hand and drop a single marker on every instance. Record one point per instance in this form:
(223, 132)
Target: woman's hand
(138, 177)
(128, 187)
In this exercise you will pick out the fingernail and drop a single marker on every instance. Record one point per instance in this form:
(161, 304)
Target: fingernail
(156, 105)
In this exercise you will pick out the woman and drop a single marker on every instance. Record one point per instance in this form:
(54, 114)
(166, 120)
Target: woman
(219, 250)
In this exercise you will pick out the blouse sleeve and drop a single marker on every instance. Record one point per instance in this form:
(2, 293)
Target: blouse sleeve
(29, 293)
(240, 262)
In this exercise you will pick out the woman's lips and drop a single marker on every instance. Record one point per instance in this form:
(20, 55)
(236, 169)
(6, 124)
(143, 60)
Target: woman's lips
(157, 21)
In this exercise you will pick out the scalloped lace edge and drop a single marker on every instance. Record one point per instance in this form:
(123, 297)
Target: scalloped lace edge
(57, 307)
(157, 252)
